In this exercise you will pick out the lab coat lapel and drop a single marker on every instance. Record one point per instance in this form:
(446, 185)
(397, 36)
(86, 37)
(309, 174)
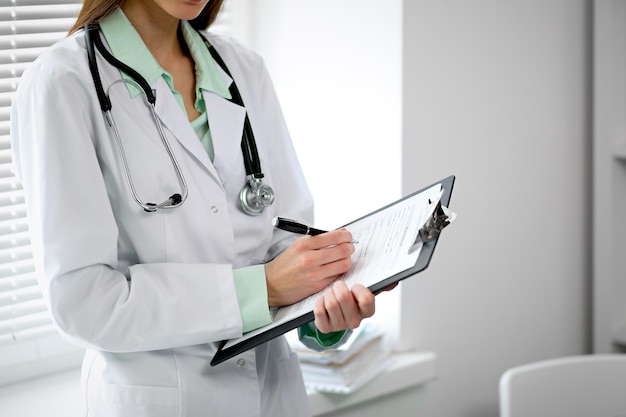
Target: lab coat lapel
(226, 121)
(175, 120)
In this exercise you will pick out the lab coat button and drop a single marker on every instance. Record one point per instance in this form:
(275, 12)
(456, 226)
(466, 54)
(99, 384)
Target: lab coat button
(214, 209)
(241, 362)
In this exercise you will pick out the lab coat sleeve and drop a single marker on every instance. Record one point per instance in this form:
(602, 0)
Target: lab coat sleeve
(315, 340)
(55, 117)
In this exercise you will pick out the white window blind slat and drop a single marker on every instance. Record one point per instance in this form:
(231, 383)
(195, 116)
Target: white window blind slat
(16, 56)
(13, 199)
(34, 306)
(24, 280)
(13, 292)
(35, 12)
(43, 327)
(18, 27)
(12, 213)
(29, 40)
(27, 334)
(5, 98)
(16, 238)
(5, 154)
(23, 3)
(12, 269)
(13, 226)
(7, 85)
(6, 170)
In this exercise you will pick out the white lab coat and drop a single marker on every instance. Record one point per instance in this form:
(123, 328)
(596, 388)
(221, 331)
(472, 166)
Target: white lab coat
(150, 294)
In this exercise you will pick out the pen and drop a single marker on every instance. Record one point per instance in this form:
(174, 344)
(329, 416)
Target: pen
(297, 227)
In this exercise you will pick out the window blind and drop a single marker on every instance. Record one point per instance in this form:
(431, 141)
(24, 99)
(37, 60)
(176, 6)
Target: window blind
(27, 335)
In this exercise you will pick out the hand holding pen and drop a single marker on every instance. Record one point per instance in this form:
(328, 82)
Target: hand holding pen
(311, 265)
(308, 265)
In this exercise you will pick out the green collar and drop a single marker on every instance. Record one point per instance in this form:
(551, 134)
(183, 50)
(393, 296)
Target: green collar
(127, 46)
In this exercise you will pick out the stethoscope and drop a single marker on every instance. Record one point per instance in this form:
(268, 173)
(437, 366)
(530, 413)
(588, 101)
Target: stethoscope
(255, 196)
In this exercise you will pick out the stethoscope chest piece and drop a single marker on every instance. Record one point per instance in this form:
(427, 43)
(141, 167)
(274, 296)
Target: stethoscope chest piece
(256, 196)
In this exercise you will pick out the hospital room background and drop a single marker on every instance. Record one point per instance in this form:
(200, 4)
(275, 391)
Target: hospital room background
(384, 97)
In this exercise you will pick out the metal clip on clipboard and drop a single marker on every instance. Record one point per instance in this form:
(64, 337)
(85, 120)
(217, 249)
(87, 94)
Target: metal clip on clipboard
(440, 218)
(434, 225)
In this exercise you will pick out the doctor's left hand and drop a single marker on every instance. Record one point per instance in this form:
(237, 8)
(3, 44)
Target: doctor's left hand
(341, 308)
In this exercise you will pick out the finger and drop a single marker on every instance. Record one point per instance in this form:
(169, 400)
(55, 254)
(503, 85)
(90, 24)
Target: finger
(322, 320)
(365, 300)
(333, 307)
(340, 308)
(356, 304)
(333, 270)
(388, 288)
(332, 238)
(335, 253)
(331, 263)
(343, 308)
(328, 312)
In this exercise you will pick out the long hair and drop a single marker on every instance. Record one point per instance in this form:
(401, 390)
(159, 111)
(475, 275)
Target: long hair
(94, 10)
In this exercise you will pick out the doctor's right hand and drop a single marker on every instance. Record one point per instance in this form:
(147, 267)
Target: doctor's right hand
(308, 266)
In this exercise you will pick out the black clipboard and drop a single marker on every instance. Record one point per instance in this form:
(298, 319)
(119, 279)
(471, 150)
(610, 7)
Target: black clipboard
(429, 235)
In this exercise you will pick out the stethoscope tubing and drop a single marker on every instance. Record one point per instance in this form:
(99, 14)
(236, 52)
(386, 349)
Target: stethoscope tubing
(255, 196)
(93, 39)
(175, 199)
(252, 162)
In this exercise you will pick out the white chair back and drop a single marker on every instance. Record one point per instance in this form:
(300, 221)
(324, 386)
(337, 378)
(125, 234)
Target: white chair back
(576, 386)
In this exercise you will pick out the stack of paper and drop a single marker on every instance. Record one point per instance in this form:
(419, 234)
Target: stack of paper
(347, 368)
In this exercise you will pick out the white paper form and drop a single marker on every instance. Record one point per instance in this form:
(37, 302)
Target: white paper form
(385, 247)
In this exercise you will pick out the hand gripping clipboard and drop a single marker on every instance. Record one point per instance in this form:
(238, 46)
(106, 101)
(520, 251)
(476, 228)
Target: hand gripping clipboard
(425, 240)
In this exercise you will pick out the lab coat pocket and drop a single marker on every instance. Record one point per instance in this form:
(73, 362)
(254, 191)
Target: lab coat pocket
(285, 392)
(113, 400)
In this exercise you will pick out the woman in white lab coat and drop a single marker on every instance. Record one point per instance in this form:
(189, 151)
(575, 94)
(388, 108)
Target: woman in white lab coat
(150, 295)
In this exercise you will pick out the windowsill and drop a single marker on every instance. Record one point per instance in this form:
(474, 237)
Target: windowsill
(407, 370)
(61, 391)
(54, 395)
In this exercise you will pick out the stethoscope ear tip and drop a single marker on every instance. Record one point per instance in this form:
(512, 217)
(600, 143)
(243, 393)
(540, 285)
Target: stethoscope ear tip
(176, 199)
(173, 201)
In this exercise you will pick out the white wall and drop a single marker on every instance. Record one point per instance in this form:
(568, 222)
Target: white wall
(336, 66)
(498, 93)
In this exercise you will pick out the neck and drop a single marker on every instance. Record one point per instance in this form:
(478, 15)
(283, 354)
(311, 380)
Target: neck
(157, 29)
